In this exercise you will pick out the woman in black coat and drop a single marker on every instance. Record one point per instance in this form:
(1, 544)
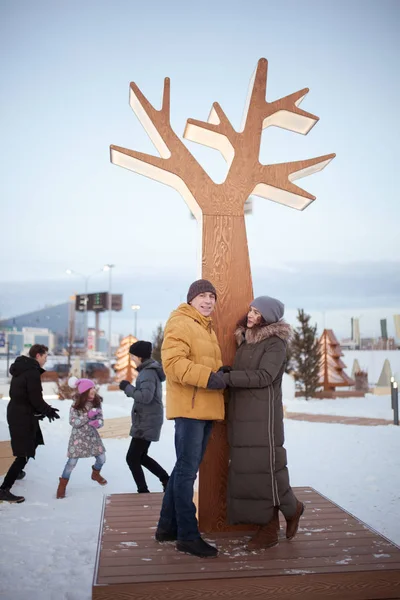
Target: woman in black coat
(24, 410)
(258, 480)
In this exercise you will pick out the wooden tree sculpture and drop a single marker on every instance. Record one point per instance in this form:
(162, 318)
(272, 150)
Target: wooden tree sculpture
(332, 373)
(219, 209)
(125, 368)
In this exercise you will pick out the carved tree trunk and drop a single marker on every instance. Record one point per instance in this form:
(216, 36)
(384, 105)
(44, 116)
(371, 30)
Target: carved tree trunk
(220, 208)
(226, 263)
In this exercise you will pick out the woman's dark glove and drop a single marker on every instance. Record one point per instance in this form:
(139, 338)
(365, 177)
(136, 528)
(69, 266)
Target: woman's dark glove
(123, 384)
(216, 382)
(52, 414)
(224, 369)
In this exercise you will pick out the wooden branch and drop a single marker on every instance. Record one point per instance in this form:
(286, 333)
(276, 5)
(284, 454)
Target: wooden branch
(216, 133)
(176, 166)
(284, 112)
(275, 181)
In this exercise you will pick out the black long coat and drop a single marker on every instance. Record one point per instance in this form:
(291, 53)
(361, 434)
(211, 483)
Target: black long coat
(25, 406)
(258, 477)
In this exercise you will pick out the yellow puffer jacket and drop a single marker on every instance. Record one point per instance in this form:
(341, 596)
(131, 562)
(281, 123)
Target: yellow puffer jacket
(190, 352)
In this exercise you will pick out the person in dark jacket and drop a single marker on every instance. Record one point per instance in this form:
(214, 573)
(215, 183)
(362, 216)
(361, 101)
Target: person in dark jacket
(24, 410)
(258, 478)
(147, 415)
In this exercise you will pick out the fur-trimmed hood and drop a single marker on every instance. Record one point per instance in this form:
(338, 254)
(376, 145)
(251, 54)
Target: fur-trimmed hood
(257, 334)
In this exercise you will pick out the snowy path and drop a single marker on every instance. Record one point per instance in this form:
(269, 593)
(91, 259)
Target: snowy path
(48, 546)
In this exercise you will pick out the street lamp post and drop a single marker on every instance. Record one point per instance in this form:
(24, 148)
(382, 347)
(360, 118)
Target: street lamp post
(135, 308)
(86, 279)
(109, 268)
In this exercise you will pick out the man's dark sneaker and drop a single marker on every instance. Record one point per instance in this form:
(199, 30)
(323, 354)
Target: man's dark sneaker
(7, 496)
(165, 536)
(21, 475)
(197, 547)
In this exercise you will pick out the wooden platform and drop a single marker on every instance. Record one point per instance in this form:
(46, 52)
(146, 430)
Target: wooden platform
(6, 457)
(334, 556)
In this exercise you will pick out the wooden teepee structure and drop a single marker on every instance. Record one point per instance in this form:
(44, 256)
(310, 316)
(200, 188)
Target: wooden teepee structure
(332, 373)
(125, 367)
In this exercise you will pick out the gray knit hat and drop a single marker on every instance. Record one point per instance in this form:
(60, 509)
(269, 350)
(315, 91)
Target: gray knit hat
(271, 309)
(200, 287)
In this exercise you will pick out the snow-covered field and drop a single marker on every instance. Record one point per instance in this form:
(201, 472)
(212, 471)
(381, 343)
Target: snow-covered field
(371, 406)
(48, 546)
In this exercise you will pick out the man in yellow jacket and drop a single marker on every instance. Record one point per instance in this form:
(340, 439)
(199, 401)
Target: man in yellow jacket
(191, 359)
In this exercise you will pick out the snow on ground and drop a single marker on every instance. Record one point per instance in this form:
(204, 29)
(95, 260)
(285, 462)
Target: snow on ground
(371, 406)
(49, 546)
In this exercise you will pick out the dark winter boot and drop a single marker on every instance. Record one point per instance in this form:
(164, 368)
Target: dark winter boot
(21, 475)
(267, 535)
(61, 487)
(292, 524)
(165, 536)
(197, 547)
(7, 496)
(97, 477)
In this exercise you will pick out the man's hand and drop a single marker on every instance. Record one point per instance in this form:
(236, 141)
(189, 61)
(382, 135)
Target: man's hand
(224, 369)
(123, 384)
(216, 382)
(52, 414)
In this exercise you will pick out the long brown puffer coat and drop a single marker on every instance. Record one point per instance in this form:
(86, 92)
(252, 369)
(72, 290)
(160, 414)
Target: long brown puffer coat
(258, 476)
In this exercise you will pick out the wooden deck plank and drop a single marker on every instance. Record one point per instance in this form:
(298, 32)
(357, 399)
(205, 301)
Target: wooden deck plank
(249, 574)
(333, 556)
(294, 550)
(347, 586)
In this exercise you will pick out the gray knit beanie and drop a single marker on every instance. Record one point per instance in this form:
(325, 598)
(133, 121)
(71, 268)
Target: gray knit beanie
(271, 309)
(200, 287)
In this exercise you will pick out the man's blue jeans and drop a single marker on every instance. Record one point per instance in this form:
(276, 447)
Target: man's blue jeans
(178, 512)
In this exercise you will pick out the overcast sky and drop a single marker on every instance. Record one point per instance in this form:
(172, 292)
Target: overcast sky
(66, 69)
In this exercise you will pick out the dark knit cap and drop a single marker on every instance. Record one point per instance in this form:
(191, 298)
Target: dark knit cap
(201, 286)
(141, 349)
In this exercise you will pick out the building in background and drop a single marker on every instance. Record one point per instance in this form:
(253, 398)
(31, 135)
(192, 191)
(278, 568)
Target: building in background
(53, 319)
(396, 319)
(384, 333)
(355, 331)
(18, 342)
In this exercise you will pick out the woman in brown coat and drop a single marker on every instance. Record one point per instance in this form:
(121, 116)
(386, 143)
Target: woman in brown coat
(258, 482)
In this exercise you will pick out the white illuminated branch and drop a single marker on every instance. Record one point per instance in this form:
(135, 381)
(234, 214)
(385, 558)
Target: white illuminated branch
(178, 168)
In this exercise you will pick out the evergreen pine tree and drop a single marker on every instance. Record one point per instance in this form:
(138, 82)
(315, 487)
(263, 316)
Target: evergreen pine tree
(306, 355)
(158, 337)
(289, 359)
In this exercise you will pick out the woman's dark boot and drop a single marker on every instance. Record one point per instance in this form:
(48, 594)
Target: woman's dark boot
(292, 524)
(267, 535)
